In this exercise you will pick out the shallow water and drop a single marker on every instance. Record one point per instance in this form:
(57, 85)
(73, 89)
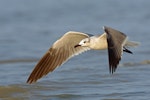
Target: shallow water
(29, 28)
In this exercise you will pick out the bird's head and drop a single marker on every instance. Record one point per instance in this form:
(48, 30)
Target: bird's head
(84, 43)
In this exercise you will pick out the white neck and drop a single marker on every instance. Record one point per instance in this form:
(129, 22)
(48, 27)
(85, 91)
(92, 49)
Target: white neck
(98, 42)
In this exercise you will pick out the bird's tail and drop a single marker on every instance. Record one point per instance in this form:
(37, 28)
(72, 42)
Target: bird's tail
(132, 44)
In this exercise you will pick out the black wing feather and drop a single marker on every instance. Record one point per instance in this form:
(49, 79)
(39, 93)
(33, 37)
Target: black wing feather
(115, 40)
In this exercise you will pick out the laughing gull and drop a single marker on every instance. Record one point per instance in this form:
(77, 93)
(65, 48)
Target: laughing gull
(73, 43)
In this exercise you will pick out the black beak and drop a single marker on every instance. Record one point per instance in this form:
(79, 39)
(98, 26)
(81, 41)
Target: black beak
(77, 46)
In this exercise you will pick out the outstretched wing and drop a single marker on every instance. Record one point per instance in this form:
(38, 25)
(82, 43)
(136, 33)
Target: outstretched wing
(60, 52)
(116, 41)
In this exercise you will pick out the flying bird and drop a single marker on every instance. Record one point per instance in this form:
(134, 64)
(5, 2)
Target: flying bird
(73, 43)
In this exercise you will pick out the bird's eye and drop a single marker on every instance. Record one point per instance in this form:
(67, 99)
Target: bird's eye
(84, 42)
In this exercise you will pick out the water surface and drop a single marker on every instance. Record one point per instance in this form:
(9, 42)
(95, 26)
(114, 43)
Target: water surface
(28, 28)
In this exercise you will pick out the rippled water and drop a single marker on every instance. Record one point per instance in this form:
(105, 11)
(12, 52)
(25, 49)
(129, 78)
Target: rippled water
(29, 27)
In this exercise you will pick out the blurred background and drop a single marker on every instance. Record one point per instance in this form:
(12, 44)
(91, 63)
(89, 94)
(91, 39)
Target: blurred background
(29, 27)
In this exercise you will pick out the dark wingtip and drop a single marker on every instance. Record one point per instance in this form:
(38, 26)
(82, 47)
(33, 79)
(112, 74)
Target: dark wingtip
(112, 70)
(29, 82)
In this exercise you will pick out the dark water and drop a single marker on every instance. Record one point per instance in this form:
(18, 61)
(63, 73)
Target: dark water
(29, 27)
